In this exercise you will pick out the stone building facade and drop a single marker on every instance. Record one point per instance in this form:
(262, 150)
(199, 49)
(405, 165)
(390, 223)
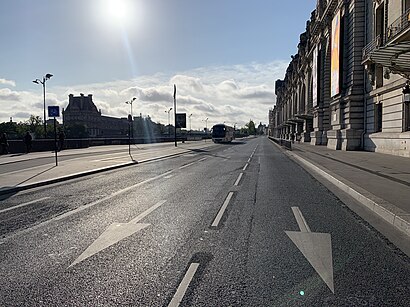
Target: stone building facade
(343, 89)
(81, 110)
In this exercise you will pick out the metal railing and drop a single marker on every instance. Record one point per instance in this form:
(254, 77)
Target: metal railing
(373, 45)
(398, 26)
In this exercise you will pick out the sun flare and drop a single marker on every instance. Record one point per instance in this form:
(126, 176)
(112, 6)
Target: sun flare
(120, 12)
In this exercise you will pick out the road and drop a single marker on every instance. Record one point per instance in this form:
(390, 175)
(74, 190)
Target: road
(233, 225)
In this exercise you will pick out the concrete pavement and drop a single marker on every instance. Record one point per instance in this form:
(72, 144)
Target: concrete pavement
(19, 172)
(379, 182)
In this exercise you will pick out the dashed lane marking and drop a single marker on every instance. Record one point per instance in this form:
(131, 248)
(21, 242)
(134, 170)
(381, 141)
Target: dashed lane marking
(246, 165)
(183, 286)
(24, 204)
(239, 179)
(222, 210)
(186, 165)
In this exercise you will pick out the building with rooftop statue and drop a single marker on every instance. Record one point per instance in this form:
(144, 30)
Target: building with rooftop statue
(344, 87)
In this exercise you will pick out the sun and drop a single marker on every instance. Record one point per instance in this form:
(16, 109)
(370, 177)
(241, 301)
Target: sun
(117, 12)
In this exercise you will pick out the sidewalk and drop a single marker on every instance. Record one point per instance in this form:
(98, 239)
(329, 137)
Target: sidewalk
(83, 162)
(380, 182)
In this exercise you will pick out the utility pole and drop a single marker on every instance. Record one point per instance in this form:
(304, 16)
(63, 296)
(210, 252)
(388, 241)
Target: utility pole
(175, 114)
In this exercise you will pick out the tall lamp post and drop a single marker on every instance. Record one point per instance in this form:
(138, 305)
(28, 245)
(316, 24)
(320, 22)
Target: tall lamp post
(190, 122)
(206, 127)
(168, 119)
(38, 81)
(132, 118)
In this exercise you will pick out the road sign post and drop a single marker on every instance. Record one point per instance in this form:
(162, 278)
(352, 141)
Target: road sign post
(54, 111)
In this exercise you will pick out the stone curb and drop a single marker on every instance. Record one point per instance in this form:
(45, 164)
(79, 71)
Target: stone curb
(387, 211)
(80, 174)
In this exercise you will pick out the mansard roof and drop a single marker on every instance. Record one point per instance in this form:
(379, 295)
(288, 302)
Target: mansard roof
(81, 103)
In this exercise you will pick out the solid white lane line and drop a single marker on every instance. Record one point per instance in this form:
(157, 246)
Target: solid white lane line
(222, 210)
(24, 204)
(146, 212)
(239, 179)
(300, 220)
(183, 286)
(67, 214)
(203, 159)
(246, 165)
(186, 165)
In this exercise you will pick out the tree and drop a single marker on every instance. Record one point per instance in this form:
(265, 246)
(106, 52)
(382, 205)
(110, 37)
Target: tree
(35, 125)
(251, 127)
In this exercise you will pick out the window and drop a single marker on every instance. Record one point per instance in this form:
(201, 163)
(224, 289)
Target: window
(378, 117)
(406, 116)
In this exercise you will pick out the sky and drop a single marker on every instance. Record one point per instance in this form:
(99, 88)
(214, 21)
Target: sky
(223, 55)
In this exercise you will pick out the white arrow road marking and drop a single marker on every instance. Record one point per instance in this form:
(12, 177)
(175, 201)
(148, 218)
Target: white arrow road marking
(315, 246)
(115, 233)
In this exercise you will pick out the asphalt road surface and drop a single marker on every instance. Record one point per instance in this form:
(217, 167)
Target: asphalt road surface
(235, 225)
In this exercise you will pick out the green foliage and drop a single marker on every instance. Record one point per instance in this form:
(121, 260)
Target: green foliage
(17, 130)
(35, 125)
(251, 127)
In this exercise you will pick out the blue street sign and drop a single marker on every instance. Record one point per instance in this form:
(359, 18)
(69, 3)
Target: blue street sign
(53, 111)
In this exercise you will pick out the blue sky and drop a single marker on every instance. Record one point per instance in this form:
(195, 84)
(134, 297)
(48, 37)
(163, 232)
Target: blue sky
(115, 48)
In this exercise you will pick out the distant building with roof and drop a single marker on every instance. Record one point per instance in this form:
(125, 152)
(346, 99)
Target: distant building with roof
(81, 110)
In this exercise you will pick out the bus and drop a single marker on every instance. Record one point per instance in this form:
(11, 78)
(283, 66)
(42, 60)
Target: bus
(222, 133)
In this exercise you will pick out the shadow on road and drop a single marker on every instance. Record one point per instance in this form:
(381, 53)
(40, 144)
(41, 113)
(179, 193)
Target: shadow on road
(45, 171)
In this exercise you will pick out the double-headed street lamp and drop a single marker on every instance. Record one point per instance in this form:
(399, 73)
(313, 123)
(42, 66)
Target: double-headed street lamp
(38, 81)
(130, 103)
(132, 118)
(168, 120)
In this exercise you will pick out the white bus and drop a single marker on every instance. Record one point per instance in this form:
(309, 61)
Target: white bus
(222, 133)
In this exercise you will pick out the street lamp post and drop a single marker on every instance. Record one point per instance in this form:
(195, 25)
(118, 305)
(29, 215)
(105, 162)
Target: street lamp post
(190, 122)
(206, 127)
(168, 120)
(38, 81)
(132, 118)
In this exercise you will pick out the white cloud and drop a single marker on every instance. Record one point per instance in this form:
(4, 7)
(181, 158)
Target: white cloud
(7, 82)
(231, 94)
(8, 95)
